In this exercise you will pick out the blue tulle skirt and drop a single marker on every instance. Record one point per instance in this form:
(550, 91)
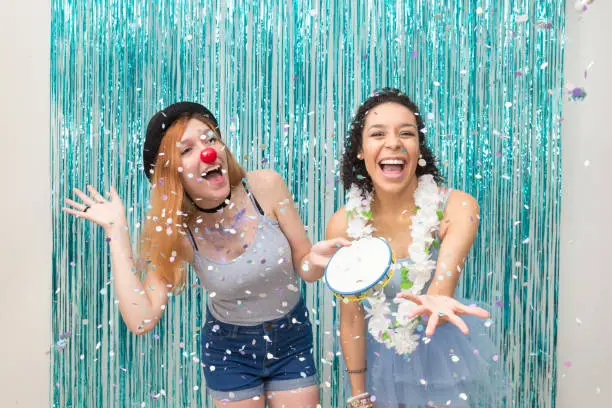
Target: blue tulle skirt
(452, 369)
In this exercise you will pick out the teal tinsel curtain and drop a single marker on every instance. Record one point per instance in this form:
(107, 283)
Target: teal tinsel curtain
(284, 78)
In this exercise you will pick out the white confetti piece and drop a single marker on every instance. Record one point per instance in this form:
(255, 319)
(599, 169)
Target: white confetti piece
(522, 18)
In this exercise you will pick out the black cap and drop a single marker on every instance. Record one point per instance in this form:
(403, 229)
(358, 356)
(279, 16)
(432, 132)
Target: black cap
(160, 122)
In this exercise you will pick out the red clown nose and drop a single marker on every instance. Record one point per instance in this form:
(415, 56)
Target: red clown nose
(208, 155)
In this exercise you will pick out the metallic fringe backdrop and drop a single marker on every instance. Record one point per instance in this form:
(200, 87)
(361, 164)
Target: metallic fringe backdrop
(284, 79)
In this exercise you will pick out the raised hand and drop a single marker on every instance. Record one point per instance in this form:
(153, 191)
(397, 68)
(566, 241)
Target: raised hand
(96, 208)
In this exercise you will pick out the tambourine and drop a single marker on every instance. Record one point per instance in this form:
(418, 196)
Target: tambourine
(360, 270)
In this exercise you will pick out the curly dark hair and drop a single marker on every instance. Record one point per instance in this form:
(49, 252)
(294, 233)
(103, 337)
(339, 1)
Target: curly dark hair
(353, 170)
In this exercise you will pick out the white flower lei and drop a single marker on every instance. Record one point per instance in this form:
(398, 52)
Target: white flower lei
(399, 334)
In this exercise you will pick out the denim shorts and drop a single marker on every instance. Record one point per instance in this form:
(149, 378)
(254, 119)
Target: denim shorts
(242, 362)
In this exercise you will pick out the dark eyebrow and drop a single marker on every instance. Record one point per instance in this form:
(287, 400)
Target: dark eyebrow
(383, 126)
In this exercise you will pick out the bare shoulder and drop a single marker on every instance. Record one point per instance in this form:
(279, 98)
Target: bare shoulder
(461, 210)
(336, 227)
(269, 189)
(461, 201)
(186, 247)
(266, 182)
(263, 176)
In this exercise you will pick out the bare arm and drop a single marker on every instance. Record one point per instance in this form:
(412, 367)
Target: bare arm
(353, 342)
(141, 303)
(457, 232)
(352, 319)
(309, 261)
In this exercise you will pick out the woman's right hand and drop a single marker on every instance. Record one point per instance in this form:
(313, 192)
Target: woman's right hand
(94, 207)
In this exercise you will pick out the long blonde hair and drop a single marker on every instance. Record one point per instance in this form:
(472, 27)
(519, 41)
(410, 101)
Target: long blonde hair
(163, 240)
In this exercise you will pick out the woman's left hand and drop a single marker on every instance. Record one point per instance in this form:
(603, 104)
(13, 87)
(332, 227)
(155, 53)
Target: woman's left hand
(322, 251)
(441, 308)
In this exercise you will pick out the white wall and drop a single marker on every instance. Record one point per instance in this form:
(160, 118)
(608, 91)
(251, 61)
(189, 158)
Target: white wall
(25, 216)
(586, 268)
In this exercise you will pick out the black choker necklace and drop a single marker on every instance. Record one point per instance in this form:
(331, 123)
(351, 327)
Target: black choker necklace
(215, 209)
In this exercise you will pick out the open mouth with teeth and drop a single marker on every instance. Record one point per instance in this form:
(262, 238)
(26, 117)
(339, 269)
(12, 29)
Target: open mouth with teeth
(213, 174)
(392, 167)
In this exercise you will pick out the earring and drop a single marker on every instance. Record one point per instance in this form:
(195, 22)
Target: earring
(359, 156)
(422, 161)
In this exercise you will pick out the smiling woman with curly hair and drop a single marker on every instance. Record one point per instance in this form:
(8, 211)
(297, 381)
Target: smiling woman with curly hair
(395, 194)
(353, 169)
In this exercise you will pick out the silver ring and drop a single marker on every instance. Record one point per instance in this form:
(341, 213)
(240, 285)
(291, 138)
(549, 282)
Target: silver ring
(87, 207)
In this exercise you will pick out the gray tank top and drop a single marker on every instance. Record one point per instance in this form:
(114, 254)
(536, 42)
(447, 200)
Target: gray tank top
(258, 286)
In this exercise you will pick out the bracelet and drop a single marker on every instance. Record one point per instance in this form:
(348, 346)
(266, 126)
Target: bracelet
(355, 397)
(360, 401)
(360, 371)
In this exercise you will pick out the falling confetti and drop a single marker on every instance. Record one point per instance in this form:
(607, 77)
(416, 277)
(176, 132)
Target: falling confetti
(582, 5)
(577, 94)
(522, 18)
(250, 129)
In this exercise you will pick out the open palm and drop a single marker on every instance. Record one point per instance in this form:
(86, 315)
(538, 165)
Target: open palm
(441, 308)
(96, 208)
